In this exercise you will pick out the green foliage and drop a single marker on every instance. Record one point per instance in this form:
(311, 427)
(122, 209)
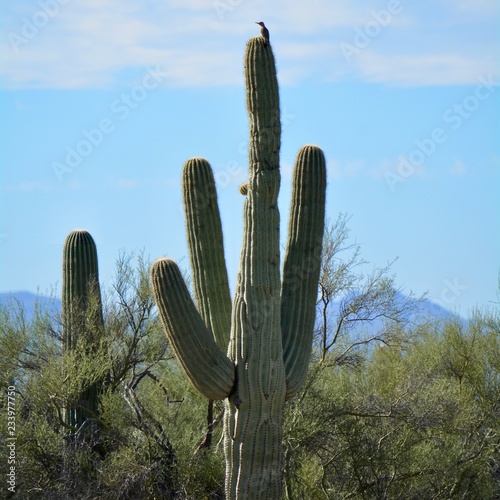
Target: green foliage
(415, 423)
(151, 422)
(413, 419)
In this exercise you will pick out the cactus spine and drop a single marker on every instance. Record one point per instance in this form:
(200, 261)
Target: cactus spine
(271, 322)
(82, 314)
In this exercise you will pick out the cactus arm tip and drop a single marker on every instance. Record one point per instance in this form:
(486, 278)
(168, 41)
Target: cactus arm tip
(208, 368)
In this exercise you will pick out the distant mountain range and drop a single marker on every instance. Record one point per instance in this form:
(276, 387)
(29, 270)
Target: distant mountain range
(29, 301)
(427, 310)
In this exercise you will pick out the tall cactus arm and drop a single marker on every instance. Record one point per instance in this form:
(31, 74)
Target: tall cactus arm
(302, 264)
(206, 249)
(206, 366)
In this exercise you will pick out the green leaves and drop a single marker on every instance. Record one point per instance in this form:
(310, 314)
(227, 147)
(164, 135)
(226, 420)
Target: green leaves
(420, 422)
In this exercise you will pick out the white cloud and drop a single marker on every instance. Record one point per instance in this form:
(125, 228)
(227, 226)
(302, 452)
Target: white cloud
(477, 8)
(318, 16)
(123, 183)
(333, 170)
(94, 44)
(75, 185)
(354, 167)
(286, 170)
(422, 69)
(397, 170)
(458, 169)
(28, 187)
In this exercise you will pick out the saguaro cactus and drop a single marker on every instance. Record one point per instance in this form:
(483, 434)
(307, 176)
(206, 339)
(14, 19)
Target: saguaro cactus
(82, 314)
(271, 322)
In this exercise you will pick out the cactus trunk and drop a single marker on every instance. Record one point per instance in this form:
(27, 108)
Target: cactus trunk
(271, 322)
(82, 316)
(254, 412)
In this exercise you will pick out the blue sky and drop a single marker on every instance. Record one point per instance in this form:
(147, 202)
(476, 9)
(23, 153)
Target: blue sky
(103, 101)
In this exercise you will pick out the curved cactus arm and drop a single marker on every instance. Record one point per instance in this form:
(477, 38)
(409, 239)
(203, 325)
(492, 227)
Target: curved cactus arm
(206, 366)
(302, 264)
(206, 249)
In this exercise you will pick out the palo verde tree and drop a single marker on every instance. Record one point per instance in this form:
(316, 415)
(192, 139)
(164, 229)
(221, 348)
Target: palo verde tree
(253, 353)
(414, 422)
(357, 310)
(124, 447)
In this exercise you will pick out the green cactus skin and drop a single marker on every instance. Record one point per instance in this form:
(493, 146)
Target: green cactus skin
(302, 263)
(253, 416)
(206, 366)
(206, 249)
(271, 323)
(81, 312)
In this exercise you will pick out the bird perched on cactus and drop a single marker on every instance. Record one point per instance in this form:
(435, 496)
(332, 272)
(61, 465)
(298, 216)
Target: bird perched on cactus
(252, 352)
(264, 32)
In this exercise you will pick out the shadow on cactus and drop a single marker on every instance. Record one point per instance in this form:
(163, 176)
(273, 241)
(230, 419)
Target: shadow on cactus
(252, 352)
